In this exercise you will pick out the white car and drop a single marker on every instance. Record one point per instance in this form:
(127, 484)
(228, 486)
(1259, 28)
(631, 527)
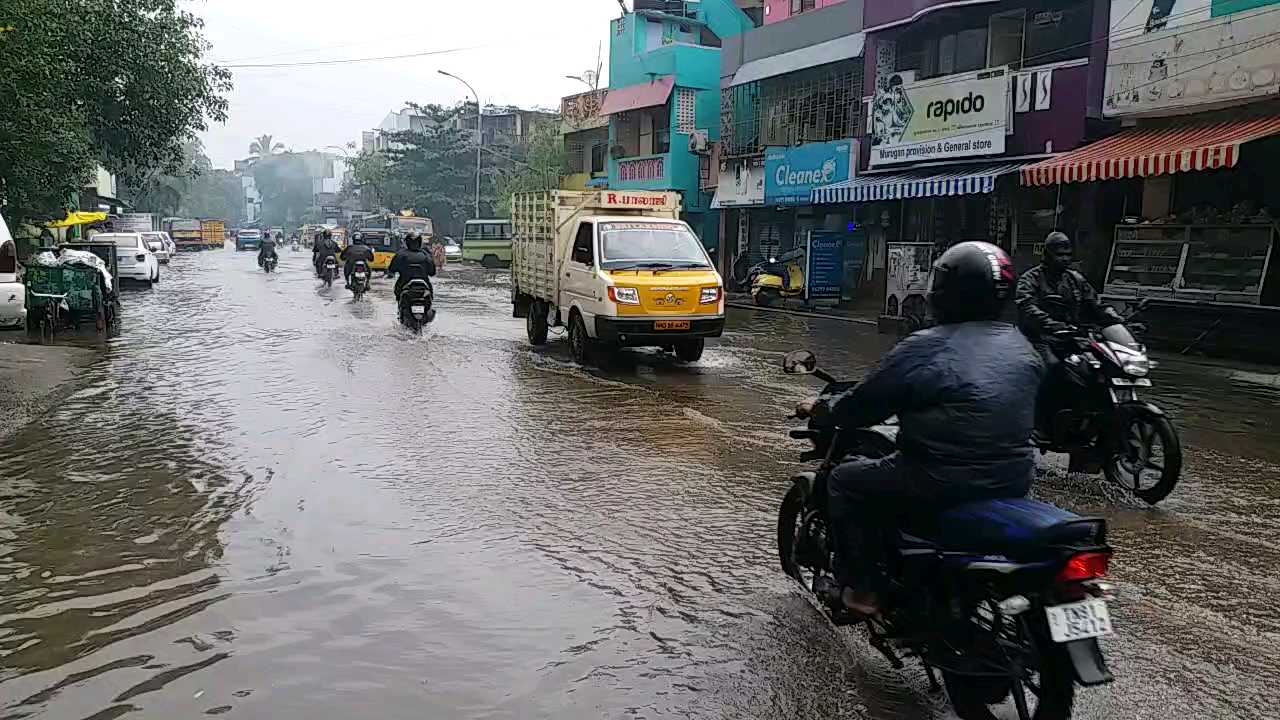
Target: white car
(136, 260)
(13, 295)
(452, 250)
(156, 243)
(169, 243)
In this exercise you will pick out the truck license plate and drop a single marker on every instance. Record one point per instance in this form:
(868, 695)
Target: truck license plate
(671, 325)
(1078, 621)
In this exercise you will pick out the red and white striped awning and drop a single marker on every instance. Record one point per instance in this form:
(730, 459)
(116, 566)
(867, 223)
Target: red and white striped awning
(1143, 152)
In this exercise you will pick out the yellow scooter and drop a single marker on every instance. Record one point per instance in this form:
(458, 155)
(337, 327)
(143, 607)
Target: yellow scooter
(773, 281)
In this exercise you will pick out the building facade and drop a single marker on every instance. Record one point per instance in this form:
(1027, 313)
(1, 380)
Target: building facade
(791, 116)
(663, 101)
(1190, 210)
(585, 134)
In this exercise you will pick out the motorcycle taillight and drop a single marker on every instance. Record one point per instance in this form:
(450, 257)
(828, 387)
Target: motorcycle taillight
(1085, 566)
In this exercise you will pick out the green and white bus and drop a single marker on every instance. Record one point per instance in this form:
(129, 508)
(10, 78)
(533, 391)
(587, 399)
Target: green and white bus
(487, 242)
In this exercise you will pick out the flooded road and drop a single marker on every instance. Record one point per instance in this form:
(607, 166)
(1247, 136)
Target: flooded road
(263, 500)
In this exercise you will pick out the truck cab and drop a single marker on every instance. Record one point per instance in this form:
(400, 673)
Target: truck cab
(623, 271)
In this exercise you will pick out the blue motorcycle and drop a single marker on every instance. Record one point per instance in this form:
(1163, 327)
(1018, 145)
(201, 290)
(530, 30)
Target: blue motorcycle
(1004, 598)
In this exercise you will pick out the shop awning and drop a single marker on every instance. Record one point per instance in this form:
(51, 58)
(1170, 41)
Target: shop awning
(1143, 152)
(924, 182)
(78, 217)
(823, 53)
(635, 97)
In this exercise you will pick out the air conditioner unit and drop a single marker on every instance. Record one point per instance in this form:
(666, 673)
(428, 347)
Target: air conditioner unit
(699, 142)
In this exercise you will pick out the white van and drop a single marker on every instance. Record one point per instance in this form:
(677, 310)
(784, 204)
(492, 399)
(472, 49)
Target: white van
(13, 295)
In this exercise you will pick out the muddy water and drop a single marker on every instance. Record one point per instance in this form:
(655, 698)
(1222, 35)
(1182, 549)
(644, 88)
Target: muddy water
(263, 500)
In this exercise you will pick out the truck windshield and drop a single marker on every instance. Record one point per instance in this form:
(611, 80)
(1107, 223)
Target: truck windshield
(649, 245)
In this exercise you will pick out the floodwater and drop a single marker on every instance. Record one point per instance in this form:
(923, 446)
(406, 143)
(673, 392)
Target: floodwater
(263, 500)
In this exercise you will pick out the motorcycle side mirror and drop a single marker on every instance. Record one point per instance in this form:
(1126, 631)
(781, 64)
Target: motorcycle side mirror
(799, 362)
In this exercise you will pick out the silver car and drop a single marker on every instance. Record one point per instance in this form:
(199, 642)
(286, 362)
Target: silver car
(156, 243)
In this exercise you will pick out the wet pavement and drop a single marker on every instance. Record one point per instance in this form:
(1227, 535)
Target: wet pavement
(263, 500)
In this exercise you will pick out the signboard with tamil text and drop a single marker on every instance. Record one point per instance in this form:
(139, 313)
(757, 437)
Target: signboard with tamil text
(950, 117)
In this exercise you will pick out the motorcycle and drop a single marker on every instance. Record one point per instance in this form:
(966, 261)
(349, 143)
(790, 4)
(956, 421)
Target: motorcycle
(329, 271)
(1104, 425)
(1005, 598)
(359, 279)
(269, 263)
(773, 281)
(415, 305)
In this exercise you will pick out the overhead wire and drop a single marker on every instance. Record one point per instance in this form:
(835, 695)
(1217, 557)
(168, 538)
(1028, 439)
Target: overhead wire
(348, 61)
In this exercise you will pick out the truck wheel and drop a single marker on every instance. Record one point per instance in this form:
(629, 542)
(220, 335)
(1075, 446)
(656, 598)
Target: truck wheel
(579, 341)
(535, 323)
(690, 350)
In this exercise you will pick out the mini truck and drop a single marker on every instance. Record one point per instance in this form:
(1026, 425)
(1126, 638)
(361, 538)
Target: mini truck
(618, 268)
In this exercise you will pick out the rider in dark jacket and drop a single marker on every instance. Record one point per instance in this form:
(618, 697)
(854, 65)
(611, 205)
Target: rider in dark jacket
(324, 247)
(1040, 319)
(266, 248)
(411, 263)
(960, 391)
(357, 251)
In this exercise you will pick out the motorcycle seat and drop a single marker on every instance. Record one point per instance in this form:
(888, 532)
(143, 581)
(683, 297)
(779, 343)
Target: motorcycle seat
(1015, 527)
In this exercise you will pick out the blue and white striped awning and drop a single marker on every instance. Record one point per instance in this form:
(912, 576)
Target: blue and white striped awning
(925, 182)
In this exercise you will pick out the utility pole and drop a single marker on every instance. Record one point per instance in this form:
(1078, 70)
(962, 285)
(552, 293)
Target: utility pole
(479, 135)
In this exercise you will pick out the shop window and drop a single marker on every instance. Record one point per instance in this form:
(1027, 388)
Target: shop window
(800, 6)
(1061, 33)
(1005, 31)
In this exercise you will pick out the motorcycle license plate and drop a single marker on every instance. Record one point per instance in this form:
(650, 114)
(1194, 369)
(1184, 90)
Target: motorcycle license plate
(419, 309)
(1126, 382)
(1079, 621)
(360, 276)
(671, 325)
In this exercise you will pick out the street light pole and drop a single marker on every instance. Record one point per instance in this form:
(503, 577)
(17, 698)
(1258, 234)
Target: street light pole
(479, 134)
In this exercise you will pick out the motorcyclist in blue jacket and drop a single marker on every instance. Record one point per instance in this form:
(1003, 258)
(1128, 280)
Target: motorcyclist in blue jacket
(963, 392)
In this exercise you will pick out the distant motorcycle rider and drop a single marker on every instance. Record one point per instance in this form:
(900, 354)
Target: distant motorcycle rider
(959, 390)
(357, 251)
(325, 246)
(1040, 318)
(411, 263)
(266, 249)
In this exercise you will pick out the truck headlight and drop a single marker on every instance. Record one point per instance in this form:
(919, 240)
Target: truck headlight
(709, 295)
(624, 295)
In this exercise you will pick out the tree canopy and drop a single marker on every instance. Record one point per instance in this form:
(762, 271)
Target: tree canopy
(119, 83)
(265, 145)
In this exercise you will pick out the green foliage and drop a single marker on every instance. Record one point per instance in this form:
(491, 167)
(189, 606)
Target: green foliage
(265, 145)
(284, 182)
(542, 168)
(118, 83)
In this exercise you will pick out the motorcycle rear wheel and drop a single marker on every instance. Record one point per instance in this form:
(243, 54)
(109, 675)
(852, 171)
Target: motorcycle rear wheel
(1135, 459)
(1050, 697)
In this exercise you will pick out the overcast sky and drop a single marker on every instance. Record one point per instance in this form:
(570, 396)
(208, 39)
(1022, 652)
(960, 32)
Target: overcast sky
(523, 50)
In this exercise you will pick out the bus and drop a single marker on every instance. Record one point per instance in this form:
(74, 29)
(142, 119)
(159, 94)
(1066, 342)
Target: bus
(487, 242)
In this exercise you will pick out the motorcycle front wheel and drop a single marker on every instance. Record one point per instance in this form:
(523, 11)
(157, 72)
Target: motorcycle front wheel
(1146, 458)
(796, 540)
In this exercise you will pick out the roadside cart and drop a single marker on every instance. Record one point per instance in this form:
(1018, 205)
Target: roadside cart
(69, 295)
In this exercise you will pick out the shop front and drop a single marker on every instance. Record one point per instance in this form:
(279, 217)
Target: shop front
(1198, 232)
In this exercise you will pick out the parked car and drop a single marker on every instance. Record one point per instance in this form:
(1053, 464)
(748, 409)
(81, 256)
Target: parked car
(452, 250)
(137, 261)
(169, 243)
(155, 243)
(13, 298)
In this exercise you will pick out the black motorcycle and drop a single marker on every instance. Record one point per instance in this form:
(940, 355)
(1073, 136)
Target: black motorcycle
(269, 263)
(415, 305)
(359, 279)
(1004, 598)
(329, 270)
(1099, 419)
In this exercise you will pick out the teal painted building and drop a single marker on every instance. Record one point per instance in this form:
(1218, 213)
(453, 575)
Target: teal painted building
(664, 88)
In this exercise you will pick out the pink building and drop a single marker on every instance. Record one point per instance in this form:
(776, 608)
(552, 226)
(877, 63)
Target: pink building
(779, 10)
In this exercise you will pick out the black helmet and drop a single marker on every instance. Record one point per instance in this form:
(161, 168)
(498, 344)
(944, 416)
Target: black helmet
(413, 242)
(971, 281)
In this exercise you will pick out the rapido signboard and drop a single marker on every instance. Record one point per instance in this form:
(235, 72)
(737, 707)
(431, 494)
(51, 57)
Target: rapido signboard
(955, 116)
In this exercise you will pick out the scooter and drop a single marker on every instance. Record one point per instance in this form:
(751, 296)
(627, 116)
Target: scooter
(773, 281)
(359, 279)
(415, 305)
(330, 270)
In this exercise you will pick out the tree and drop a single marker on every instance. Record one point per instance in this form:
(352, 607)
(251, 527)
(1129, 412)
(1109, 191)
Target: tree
(284, 183)
(541, 169)
(119, 83)
(263, 145)
(430, 170)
